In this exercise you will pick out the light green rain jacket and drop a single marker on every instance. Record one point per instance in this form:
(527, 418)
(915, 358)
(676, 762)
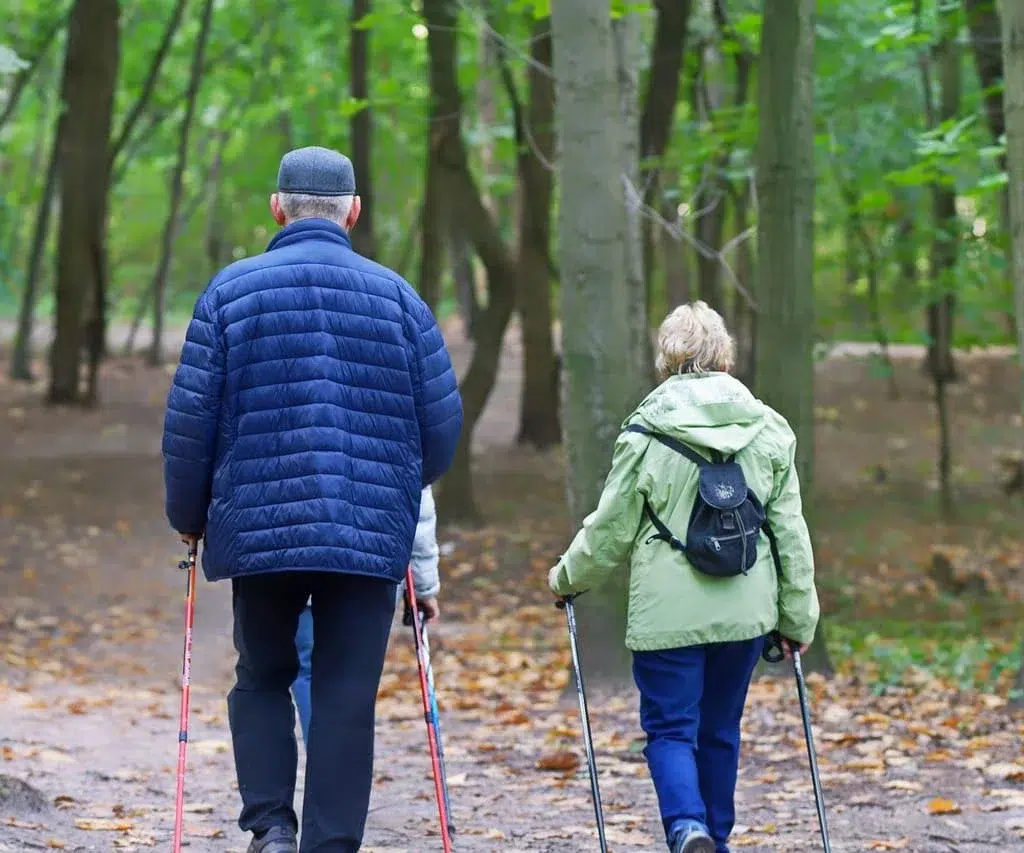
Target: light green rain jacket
(671, 604)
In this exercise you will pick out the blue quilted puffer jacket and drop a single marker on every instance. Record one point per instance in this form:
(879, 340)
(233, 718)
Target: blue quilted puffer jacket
(314, 400)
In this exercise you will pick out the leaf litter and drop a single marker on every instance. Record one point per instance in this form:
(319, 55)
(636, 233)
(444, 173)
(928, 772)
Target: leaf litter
(89, 656)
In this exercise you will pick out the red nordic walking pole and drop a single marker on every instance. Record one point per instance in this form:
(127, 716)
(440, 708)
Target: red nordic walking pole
(414, 617)
(189, 566)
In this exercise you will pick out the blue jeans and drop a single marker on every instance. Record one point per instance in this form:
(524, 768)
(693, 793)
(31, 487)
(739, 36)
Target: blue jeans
(691, 703)
(300, 689)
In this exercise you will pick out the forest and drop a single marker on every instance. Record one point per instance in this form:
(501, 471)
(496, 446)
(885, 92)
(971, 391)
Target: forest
(843, 182)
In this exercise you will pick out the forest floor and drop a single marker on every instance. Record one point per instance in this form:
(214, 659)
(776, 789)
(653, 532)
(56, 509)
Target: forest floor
(922, 613)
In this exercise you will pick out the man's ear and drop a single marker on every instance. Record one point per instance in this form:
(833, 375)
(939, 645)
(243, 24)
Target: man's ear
(275, 209)
(353, 213)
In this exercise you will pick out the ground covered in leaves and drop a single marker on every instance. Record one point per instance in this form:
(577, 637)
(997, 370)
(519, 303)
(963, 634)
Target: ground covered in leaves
(914, 757)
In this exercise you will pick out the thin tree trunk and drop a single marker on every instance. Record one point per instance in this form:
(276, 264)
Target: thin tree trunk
(658, 117)
(674, 260)
(156, 351)
(600, 386)
(460, 257)
(746, 323)
(21, 357)
(90, 80)
(539, 422)
(431, 225)
(1013, 94)
(785, 226)
(942, 302)
(1013, 98)
(364, 238)
(467, 208)
(626, 37)
(149, 84)
(214, 238)
(984, 26)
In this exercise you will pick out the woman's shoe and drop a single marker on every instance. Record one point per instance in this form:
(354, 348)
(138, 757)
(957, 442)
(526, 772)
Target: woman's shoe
(692, 838)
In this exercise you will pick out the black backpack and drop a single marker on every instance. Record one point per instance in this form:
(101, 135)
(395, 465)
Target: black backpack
(727, 517)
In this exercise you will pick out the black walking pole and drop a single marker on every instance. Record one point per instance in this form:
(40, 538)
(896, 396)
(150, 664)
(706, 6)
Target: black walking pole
(774, 652)
(805, 712)
(588, 739)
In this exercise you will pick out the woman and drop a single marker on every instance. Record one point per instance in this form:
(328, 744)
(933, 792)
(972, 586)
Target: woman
(696, 636)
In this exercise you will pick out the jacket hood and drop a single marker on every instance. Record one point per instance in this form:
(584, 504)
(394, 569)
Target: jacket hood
(711, 410)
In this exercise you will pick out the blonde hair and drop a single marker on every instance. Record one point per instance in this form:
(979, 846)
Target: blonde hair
(693, 339)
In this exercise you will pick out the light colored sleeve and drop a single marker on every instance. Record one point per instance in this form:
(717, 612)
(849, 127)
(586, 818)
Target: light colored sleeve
(798, 598)
(425, 552)
(604, 543)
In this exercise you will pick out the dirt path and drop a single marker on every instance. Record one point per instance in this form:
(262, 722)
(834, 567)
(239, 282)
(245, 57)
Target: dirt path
(90, 611)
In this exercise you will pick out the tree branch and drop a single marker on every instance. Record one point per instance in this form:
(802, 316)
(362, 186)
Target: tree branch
(150, 82)
(24, 76)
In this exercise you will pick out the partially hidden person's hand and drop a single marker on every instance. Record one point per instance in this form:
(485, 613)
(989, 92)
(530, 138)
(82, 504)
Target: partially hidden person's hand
(430, 609)
(191, 540)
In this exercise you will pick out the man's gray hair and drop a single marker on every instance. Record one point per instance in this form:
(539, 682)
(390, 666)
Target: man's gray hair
(304, 206)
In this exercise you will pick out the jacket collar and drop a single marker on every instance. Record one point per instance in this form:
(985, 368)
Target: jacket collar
(310, 229)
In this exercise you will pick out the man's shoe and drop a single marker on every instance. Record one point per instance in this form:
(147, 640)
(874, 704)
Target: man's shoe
(279, 839)
(693, 838)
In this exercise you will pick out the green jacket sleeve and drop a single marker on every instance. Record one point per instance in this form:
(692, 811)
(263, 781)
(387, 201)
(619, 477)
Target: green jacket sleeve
(605, 541)
(798, 598)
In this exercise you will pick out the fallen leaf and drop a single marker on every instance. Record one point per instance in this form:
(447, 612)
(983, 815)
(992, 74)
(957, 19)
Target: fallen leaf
(103, 824)
(940, 805)
(559, 761)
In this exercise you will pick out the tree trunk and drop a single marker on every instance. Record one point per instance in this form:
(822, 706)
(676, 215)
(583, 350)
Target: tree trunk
(674, 259)
(363, 236)
(626, 37)
(600, 387)
(156, 351)
(1013, 97)
(746, 322)
(460, 259)
(214, 238)
(90, 80)
(658, 117)
(21, 357)
(539, 421)
(468, 211)
(984, 26)
(431, 222)
(785, 232)
(710, 204)
(942, 301)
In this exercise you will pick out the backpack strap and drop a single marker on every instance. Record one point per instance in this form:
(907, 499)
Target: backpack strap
(663, 534)
(676, 445)
(774, 545)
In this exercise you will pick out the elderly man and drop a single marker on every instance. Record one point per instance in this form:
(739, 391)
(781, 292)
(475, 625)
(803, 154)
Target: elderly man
(314, 400)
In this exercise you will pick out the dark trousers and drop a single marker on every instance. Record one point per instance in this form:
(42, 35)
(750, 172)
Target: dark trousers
(352, 621)
(691, 703)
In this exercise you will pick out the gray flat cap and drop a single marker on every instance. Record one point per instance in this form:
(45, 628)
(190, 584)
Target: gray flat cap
(316, 171)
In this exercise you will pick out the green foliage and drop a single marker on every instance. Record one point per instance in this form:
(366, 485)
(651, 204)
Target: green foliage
(278, 76)
(894, 654)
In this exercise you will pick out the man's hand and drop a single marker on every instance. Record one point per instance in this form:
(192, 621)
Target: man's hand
(430, 609)
(191, 540)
